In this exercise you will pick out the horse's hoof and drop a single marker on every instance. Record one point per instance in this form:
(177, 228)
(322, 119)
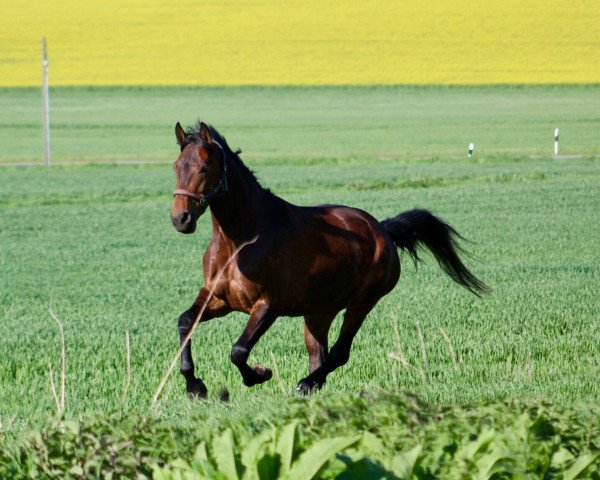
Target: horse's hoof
(196, 389)
(308, 387)
(259, 374)
(265, 373)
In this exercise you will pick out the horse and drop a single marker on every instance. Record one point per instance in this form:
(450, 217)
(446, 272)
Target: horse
(310, 261)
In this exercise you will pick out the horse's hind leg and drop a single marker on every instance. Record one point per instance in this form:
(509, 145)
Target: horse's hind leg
(316, 332)
(259, 322)
(215, 308)
(340, 352)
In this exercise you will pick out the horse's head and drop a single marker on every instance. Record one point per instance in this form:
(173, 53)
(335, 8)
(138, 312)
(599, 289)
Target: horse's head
(201, 173)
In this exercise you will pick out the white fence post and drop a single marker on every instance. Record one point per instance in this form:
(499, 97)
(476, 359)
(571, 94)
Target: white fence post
(45, 104)
(556, 141)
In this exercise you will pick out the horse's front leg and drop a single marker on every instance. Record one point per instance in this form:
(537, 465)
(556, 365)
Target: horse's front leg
(261, 318)
(215, 308)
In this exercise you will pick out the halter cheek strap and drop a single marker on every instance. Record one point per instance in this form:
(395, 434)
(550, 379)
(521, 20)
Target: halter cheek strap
(220, 189)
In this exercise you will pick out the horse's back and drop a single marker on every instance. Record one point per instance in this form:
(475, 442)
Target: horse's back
(363, 234)
(341, 253)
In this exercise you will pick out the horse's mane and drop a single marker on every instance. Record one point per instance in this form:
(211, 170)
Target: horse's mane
(193, 136)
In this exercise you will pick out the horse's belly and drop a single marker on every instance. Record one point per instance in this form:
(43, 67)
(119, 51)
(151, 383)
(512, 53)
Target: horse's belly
(326, 284)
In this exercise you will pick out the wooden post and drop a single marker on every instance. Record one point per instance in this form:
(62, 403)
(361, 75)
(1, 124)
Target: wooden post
(45, 104)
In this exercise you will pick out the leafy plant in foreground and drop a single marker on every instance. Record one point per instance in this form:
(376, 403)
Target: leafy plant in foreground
(370, 436)
(269, 455)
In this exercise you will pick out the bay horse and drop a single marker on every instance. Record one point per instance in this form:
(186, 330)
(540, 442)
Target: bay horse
(307, 261)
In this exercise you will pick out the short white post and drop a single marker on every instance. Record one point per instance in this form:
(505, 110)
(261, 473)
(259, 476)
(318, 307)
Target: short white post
(45, 104)
(471, 148)
(556, 141)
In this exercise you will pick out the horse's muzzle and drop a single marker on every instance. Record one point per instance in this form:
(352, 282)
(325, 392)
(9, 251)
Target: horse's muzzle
(184, 222)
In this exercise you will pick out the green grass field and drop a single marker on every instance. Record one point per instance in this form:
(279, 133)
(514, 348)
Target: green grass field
(97, 240)
(100, 124)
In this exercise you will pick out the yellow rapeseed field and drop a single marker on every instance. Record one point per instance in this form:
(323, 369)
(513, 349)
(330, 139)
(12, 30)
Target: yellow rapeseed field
(307, 42)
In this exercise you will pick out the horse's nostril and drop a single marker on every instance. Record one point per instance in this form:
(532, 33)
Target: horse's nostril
(185, 216)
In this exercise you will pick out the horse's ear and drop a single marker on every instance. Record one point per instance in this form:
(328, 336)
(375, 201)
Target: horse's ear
(205, 133)
(179, 134)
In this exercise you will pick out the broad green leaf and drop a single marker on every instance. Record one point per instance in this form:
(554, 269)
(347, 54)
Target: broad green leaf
(193, 476)
(161, 473)
(495, 462)
(372, 444)
(180, 464)
(404, 463)
(313, 459)
(223, 451)
(176, 475)
(200, 454)
(285, 446)
(250, 455)
(580, 465)
(76, 470)
(561, 457)
(480, 444)
(268, 466)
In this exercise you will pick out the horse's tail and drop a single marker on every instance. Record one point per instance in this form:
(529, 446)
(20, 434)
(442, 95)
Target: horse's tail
(414, 228)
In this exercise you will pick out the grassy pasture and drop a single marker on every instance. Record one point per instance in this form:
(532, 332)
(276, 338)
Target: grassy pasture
(97, 240)
(304, 125)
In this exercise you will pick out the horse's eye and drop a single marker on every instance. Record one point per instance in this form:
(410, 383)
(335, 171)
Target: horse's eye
(204, 169)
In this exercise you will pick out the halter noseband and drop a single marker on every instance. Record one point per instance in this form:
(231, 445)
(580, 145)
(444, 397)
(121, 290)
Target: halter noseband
(220, 188)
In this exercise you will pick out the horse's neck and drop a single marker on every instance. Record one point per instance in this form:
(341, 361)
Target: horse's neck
(236, 213)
